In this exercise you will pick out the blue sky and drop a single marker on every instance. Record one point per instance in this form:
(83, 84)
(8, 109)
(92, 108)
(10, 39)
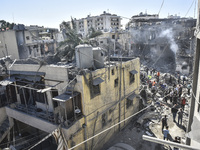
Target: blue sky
(51, 13)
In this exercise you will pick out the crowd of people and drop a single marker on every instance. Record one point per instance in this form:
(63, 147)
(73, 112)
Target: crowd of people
(171, 91)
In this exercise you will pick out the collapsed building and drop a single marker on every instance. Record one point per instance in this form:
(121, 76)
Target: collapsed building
(27, 41)
(82, 98)
(166, 44)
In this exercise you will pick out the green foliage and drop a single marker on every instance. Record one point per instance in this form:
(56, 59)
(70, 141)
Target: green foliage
(66, 48)
(5, 25)
(94, 33)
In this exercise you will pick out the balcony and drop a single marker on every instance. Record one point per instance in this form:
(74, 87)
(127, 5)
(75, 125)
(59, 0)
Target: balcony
(32, 116)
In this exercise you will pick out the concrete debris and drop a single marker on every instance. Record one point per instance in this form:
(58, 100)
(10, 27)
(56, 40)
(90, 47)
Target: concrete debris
(149, 134)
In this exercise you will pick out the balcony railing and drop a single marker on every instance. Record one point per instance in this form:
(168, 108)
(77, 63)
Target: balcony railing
(34, 111)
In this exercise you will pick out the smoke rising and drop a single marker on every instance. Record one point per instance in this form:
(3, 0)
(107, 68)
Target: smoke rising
(168, 33)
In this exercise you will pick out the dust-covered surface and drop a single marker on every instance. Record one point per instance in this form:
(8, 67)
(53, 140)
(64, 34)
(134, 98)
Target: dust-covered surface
(149, 121)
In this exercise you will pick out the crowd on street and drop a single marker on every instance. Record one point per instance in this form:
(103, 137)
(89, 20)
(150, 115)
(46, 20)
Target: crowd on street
(172, 93)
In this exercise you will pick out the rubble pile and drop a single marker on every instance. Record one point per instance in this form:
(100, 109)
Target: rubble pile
(161, 97)
(164, 92)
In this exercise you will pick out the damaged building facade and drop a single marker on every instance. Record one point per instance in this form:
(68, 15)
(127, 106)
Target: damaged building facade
(194, 115)
(84, 98)
(105, 22)
(27, 41)
(159, 41)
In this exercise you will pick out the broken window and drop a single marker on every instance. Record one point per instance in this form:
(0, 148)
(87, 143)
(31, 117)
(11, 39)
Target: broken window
(128, 103)
(116, 82)
(101, 41)
(95, 90)
(95, 87)
(113, 36)
(132, 76)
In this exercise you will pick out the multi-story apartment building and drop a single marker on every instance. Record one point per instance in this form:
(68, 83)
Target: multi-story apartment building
(104, 22)
(27, 41)
(83, 98)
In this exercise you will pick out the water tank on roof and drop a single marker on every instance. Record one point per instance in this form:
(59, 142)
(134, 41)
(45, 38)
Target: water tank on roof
(98, 56)
(84, 56)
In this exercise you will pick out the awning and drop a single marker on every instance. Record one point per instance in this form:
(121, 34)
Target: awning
(32, 73)
(65, 97)
(133, 72)
(131, 97)
(7, 81)
(29, 78)
(97, 81)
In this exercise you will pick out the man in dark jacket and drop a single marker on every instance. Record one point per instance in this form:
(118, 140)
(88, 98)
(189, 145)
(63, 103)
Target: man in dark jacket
(174, 112)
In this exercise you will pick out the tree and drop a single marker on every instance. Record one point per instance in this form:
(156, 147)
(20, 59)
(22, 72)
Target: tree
(5, 25)
(66, 49)
(94, 33)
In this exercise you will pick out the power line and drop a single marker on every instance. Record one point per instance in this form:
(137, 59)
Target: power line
(189, 8)
(109, 128)
(161, 7)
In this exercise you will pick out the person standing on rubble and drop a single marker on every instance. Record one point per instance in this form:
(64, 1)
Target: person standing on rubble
(158, 75)
(147, 70)
(166, 133)
(184, 79)
(150, 84)
(180, 116)
(174, 112)
(154, 83)
(189, 87)
(164, 122)
(180, 89)
(171, 95)
(175, 98)
(183, 102)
